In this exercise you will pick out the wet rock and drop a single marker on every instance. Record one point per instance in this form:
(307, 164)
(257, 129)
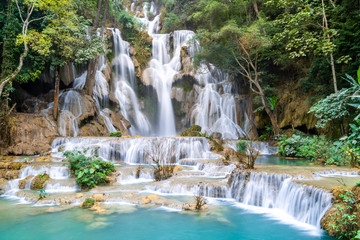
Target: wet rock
(38, 182)
(11, 174)
(79, 195)
(149, 199)
(3, 184)
(99, 197)
(216, 135)
(88, 203)
(16, 165)
(67, 74)
(119, 122)
(178, 169)
(22, 183)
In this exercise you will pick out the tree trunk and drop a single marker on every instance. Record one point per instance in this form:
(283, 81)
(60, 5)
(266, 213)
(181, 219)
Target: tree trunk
(56, 94)
(272, 115)
(333, 72)
(97, 18)
(332, 63)
(115, 3)
(92, 68)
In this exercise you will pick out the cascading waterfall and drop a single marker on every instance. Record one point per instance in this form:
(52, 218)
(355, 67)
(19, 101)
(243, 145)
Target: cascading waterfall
(215, 108)
(124, 84)
(305, 203)
(136, 150)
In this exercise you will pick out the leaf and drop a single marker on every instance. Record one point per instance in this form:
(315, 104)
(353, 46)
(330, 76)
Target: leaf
(358, 75)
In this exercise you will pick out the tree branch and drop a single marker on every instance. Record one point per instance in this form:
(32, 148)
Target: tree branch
(17, 4)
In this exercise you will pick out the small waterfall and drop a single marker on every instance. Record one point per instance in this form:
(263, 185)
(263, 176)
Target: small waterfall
(305, 203)
(71, 110)
(128, 175)
(125, 85)
(334, 173)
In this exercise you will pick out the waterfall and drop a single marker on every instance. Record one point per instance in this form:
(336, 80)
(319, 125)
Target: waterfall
(124, 82)
(305, 203)
(137, 150)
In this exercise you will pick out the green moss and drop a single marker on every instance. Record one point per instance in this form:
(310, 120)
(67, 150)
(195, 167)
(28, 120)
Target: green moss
(38, 182)
(88, 203)
(191, 131)
(116, 134)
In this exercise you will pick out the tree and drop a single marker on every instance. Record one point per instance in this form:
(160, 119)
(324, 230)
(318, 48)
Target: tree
(91, 73)
(236, 49)
(64, 40)
(305, 30)
(26, 21)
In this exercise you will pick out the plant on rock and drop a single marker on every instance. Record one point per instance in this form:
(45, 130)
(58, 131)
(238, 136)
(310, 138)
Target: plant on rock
(116, 134)
(247, 148)
(88, 203)
(89, 170)
(163, 160)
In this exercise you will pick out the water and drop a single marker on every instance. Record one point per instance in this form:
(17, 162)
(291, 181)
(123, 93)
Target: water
(278, 160)
(129, 222)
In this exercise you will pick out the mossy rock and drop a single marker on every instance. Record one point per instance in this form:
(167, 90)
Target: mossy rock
(192, 131)
(88, 203)
(38, 182)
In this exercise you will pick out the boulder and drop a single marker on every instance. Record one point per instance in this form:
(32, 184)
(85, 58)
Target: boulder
(11, 174)
(30, 134)
(67, 74)
(38, 182)
(119, 122)
(22, 183)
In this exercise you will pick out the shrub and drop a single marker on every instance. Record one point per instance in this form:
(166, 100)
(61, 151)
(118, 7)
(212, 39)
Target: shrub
(89, 170)
(318, 148)
(116, 134)
(248, 149)
(192, 131)
(88, 203)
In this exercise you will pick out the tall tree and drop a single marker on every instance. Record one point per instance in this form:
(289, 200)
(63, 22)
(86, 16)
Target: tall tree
(91, 73)
(26, 21)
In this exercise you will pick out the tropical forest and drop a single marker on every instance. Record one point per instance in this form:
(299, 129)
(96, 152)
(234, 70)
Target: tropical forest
(180, 119)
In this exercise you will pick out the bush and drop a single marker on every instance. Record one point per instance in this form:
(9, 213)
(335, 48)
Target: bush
(116, 134)
(89, 171)
(88, 203)
(317, 148)
(247, 148)
(192, 131)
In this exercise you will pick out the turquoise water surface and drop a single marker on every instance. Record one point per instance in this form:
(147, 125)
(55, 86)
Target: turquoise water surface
(130, 222)
(278, 160)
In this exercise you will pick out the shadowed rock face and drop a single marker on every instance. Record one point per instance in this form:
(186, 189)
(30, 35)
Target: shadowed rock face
(31, 134)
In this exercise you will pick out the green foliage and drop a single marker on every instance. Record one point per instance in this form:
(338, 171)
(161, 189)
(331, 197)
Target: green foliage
(338, 105)
(318, 149)
(346, 224)
(88, 203)
(242, 146)
(171, 23)
(42, 193)
(89, 170)
(116, 134)
(192, 131)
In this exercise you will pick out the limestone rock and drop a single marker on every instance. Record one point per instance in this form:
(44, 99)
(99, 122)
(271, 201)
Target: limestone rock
(67, 74)
(79, 195)
(31, 134)
(178, 169)
(149, 199)
(11, 174)
(22, 182)
(99, 197)
(38, 182)
(119, 122)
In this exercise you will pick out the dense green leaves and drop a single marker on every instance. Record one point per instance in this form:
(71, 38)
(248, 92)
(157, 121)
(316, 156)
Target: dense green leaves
(88, 169)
